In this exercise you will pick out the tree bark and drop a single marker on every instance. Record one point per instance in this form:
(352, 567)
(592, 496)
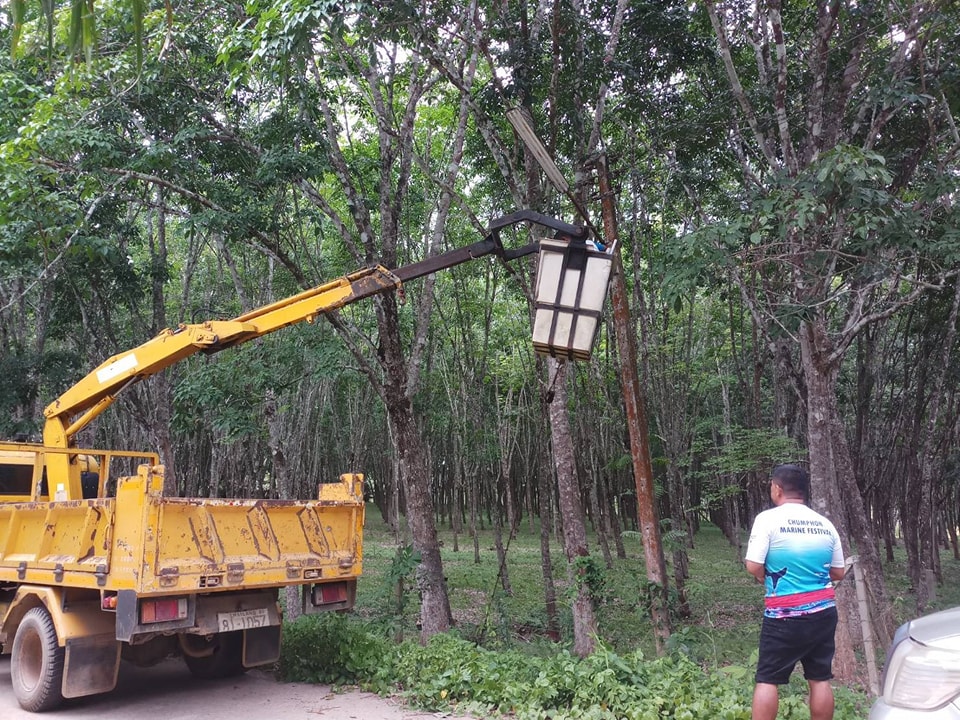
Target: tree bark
(435, 615)
(281, 477)
(503, 481)
(832, 476)
(648, 519)
(931, 463)
(160, 404)
(571, 509)
(545, 509)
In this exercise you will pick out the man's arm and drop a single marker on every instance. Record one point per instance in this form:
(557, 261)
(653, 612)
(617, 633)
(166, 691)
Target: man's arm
(757, 570)
(757, 548)
(839, 564)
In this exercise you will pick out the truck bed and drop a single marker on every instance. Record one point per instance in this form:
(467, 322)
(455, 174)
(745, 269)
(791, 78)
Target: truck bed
(155, 545)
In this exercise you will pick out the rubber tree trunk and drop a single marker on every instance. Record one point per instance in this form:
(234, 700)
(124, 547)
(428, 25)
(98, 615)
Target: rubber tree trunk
(435, 616)
(160, 406)
(932, 466)
(834, 486)
(281, 477)
(571, 512)
(633, 398)
(545, 510)
(498, 514)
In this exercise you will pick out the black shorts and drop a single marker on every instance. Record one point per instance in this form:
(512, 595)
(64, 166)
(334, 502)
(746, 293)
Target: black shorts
(807, 639)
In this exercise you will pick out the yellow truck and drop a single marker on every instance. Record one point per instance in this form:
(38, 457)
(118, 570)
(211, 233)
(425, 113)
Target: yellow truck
(97, 563)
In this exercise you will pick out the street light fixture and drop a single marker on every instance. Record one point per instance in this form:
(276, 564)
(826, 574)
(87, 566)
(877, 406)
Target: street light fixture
(573, 273)
(572, 279)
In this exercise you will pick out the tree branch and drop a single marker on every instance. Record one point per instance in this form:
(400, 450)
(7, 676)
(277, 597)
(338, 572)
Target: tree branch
(737, 87)
(855, 324)
(50, 267)
(826, 23)
(347, 332)
(438, 229)
(780, 96)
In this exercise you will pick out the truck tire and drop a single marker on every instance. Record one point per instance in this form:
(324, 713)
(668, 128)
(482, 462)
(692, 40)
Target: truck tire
(36, 666)
(219, 657)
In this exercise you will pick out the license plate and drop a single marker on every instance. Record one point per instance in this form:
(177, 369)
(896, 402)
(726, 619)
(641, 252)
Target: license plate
(243, 619)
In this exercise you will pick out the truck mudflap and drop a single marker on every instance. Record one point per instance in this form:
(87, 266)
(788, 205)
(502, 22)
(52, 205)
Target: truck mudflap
(91, 665)
(230, 653)
(91, 652)
(218, 634)
(245, 624)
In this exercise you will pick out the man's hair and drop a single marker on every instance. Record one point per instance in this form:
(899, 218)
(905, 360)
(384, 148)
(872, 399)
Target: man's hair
(793, 479)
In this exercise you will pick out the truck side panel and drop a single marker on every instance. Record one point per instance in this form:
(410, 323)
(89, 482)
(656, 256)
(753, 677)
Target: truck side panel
(209, 544)
(153, 545)
(254, 537)
(44, 542)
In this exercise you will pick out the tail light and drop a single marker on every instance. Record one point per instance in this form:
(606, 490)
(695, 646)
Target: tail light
(330, 593)
(163, 610)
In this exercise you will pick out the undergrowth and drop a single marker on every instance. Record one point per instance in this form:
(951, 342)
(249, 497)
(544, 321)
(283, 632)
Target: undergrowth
(450, 673)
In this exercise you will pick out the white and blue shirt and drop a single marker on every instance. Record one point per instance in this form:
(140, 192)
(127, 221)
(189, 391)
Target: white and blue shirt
(797, 547)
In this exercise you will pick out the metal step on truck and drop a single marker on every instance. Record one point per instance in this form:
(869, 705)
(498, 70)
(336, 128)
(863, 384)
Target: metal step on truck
(99, 564)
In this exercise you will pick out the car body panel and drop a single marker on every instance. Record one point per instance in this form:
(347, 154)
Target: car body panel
(939, 630)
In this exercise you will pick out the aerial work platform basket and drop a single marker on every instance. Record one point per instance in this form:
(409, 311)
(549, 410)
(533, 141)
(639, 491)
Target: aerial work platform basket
(572, 279)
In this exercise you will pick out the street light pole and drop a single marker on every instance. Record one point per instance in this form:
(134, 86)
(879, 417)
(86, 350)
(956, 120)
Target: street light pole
(647, 515)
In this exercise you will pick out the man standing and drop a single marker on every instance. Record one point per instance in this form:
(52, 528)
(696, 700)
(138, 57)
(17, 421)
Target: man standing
(796, 553)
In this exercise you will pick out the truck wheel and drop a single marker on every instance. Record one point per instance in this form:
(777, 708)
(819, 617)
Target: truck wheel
(36, 666)
(219, 657)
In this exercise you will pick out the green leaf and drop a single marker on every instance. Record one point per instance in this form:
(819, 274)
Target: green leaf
(76, 26)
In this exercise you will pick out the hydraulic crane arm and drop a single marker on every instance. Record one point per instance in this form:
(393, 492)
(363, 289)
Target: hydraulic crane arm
(82, 403)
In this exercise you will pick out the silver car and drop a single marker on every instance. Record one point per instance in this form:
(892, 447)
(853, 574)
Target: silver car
(922, 676)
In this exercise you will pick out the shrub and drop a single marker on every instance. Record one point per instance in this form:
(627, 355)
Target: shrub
(336, 649)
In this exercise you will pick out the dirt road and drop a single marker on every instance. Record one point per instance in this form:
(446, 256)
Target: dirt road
(169, 692)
